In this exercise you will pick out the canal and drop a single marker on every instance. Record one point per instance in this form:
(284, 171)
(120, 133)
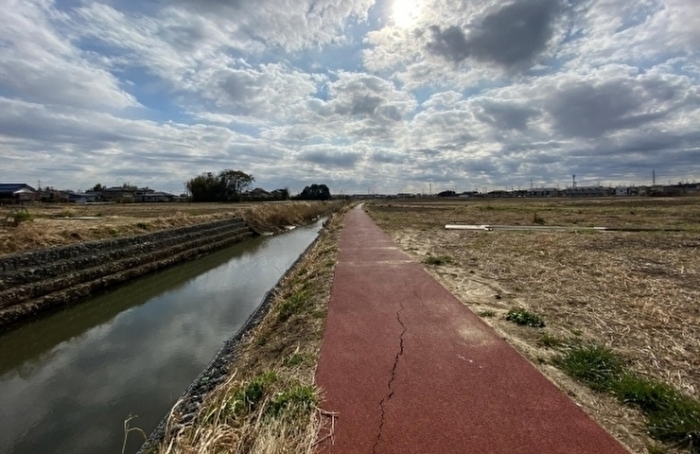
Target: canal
(69, 381)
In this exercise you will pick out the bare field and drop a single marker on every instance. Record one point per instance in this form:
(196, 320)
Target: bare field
(637, 293)
(54, 225)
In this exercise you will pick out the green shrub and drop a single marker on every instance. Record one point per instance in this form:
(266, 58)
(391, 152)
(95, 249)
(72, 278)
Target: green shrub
(295, 401)
(524, 317)
(21, 216)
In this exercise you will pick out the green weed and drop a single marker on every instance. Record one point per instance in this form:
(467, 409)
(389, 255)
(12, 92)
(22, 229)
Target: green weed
(521, 316)
(438, 260)
(292, 305)
(549, 341)
(296, 401)
(596, 366)
(673, 417)
(295, 360)
(20, 216)
(487, 313)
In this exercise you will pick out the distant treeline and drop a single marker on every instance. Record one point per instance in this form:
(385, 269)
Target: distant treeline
(234, 186)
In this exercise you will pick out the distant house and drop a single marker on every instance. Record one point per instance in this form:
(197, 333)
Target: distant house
(82, 197)
(499, 194)
(155, 197)
(258, 194)
(621, 191)
(588, 191)
(18, 193)
(118, 194)
(543, 192)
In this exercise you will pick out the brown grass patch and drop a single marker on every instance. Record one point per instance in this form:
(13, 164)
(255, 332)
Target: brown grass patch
(636, 293)
(269, 404)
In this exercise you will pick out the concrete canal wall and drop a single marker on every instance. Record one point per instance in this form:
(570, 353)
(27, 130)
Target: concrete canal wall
(39, 281)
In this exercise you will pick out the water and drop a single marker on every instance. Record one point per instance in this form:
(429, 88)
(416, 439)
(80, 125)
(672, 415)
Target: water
(68, 382)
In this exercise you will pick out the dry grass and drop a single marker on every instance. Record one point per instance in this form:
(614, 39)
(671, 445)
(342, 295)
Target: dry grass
(55, 225)
(681, 212)
(269, 404)
(636, 293)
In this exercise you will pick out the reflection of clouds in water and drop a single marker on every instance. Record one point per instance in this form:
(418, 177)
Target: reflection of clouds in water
(138, 363)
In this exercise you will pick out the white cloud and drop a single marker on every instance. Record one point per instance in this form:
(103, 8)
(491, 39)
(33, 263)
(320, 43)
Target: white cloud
(457, 93)
(38, 62)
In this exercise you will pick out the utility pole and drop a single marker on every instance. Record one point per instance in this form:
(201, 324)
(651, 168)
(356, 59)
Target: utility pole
(574, 176)
(430, 192)
(653, 177)
(531, 183)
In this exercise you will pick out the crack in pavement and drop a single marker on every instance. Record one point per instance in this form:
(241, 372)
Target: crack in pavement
(388, 397)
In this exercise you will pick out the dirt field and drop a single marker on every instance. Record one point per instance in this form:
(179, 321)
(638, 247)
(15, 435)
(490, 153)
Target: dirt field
(54, 224)
(637, 293)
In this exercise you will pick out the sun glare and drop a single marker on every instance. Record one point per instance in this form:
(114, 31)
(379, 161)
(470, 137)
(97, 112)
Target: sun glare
(405, 13)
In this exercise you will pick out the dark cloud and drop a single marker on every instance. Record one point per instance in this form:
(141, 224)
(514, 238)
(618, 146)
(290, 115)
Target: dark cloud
(513, 36)
(590, 111)
(239, 86)
(506, 116)
(326, 158)
(360, 105)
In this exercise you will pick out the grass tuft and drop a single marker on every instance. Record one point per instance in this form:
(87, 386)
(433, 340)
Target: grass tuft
(549, 341)
(292, 305)
(673, 417)
(596, 366)
(296, 401)
(537, 219)
(22, 216)
(295, 360)
(438, 260)
(523, 317)
(487, 313)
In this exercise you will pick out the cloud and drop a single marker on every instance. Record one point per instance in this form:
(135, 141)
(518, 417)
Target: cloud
(463, 93)
(331, 158)
(38, 63)
(506, 116)
(593, 108)
(515, 35)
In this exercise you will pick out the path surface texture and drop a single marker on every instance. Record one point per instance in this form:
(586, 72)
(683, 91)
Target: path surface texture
(410, 369)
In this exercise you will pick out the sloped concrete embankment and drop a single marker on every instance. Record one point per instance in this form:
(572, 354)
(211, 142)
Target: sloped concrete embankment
(35, 282)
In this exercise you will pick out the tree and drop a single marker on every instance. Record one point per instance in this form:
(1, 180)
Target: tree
(205, 188)
(98, 188)
(315, 192)
(228, 185)
(235, 182)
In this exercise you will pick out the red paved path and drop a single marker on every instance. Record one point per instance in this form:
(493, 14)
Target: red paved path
(410, 369)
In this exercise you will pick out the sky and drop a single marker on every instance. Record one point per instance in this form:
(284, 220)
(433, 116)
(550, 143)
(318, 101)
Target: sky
(384, 96)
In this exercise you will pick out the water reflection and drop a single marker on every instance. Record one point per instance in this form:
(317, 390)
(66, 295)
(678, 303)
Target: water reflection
(68, 381)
